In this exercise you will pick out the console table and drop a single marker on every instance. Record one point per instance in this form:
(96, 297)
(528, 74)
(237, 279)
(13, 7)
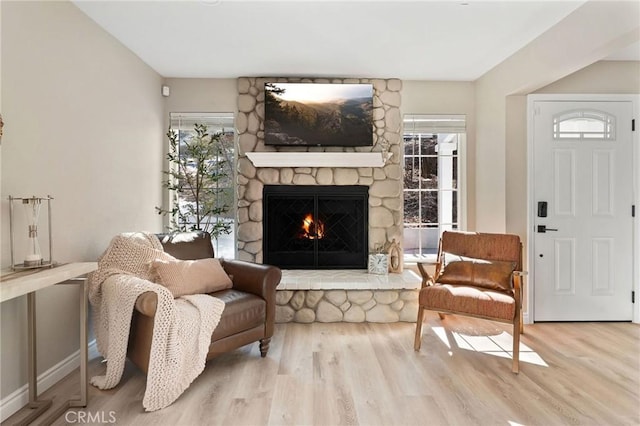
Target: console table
(26, 282)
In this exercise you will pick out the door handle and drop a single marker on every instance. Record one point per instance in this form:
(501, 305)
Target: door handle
(543, 228)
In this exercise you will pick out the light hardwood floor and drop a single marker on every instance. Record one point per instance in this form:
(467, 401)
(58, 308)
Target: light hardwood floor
(369, 374)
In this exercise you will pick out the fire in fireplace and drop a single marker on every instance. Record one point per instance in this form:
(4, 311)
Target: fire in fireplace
(312, 228)
(315, 226)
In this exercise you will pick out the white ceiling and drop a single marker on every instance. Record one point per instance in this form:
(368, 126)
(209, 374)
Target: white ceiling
(418, 40)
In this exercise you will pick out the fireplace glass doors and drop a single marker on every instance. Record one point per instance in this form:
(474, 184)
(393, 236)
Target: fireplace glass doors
(315, 227)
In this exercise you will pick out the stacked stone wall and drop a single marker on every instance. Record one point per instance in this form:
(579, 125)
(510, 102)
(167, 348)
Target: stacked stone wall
(385, 306)
(385, 183)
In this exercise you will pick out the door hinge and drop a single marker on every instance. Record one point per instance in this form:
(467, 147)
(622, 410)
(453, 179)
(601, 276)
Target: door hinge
(633, 296)
(633, 210)
(633, 125)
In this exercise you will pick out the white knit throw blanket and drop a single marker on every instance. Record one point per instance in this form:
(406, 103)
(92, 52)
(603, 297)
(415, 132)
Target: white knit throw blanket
(182, 327)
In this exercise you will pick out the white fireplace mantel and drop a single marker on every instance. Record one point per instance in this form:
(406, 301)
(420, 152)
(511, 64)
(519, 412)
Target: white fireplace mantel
(318, 159)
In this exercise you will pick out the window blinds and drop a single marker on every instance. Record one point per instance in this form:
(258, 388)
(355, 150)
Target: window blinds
(420, 123)
(216, 121)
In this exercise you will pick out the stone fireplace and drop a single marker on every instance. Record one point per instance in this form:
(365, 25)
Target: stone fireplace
(316, 226)
(384, 181)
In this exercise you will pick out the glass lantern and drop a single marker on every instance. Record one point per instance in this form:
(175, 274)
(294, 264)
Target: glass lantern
(33, 255)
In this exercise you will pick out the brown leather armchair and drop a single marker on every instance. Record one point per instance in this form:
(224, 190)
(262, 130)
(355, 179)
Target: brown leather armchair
(477, 275)
(249, 313)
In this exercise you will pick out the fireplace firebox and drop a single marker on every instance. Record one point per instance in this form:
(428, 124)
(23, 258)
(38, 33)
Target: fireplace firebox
(315, 226)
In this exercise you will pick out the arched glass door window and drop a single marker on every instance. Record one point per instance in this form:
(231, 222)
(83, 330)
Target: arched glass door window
(591, 125)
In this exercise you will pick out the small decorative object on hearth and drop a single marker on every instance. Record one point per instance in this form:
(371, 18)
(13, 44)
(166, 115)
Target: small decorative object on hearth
(395, 257)
(378, 263)
(33, 257)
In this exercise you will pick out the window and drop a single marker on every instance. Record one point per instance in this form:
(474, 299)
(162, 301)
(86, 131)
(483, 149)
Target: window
(584, 125)
(432, 180)
(224, 164)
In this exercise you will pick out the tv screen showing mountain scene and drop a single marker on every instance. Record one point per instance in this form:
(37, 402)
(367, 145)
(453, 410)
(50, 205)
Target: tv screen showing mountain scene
(318, 114)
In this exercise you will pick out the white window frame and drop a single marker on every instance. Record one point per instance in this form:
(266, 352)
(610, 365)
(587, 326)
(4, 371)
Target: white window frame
(218, 120)
(441, 124)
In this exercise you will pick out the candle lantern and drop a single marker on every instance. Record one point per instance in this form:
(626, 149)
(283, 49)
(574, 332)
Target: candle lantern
(32, 257)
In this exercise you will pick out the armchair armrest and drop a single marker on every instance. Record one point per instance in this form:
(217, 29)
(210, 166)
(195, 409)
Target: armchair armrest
(518, 277)
(254, 278)
(518, 293)
(147, 303)
(260, 280)
(427, 279)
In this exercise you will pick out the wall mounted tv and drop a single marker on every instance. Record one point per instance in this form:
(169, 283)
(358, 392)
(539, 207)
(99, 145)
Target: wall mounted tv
(318, 114)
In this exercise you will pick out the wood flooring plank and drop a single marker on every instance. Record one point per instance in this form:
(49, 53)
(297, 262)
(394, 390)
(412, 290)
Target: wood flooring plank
(296, 358)
(333, 398)
(401, 377)
(333, 406)
(292, 402)
(365, 374)
(246, 412)
(418, 410)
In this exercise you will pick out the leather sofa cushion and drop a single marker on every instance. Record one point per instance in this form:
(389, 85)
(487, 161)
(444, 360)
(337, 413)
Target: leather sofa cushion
(489, 274)
(242, 311)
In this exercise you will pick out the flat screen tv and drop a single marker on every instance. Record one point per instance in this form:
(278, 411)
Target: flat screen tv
(318, 114)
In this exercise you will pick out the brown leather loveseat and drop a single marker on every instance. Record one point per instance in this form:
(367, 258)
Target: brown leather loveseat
(249, 313)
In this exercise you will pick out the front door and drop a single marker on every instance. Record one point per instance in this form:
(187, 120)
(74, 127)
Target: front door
(583, 196)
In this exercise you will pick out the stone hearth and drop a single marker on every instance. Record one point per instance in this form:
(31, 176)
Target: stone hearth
(347, 296)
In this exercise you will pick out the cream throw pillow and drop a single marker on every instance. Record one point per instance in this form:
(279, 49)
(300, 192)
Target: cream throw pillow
(184, 277)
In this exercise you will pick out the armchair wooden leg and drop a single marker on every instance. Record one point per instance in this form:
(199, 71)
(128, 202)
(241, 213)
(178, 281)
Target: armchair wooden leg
(516, 345)
(418, 339)
(521, 323)
(264, 346)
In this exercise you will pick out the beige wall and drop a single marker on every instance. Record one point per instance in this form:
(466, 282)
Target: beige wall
(607, 77)
(84, 123)
(201, 95)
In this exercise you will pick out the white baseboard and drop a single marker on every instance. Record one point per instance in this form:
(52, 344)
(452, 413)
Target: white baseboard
(20, 397)
(93, 350)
